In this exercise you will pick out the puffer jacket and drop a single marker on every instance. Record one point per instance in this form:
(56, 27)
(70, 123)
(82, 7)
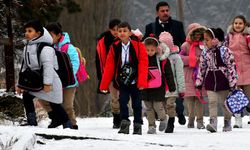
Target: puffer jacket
(49, 62)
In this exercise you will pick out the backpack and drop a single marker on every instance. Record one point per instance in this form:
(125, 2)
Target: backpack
(65, 70)
(81, 74)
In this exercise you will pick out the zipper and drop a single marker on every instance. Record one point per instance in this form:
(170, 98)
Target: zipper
(28, 55)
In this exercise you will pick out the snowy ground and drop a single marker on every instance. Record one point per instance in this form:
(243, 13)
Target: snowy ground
(97, 134)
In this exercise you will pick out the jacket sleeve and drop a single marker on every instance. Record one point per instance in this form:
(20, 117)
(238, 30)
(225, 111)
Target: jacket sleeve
(142, 66)
(74, 58)
(179, 74)
(184, 55)
(202, 69)
(169, 76)
(109, 70)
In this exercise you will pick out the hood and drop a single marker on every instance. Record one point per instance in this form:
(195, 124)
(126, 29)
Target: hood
(194, 27)
(163, 51)
(46, 38)
(64, 39)
(245, 31)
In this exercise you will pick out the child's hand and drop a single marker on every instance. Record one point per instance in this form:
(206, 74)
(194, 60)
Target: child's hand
(18, 90)
(47, 88)
(181, 94)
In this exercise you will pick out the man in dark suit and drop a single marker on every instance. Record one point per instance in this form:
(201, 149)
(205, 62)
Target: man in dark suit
(164, 22)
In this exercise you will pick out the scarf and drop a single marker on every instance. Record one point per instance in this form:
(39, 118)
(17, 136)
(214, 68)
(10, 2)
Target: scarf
(192, 53)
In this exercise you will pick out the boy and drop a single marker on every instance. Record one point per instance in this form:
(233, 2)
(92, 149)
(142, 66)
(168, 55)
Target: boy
(102, 49)
(127, 64)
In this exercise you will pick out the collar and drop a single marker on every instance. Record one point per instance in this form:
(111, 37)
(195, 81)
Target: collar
(160, 22)
(126, 45)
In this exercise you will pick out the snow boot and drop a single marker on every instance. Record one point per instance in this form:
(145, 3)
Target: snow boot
(137, 129)
(67, 124)
(163, 124)
(170, 127)
(190, 123)
(116, 121)
(227, 126)
(181, 119)
(200, 125)
(31, 119)
(212, 126)
(151, 130)
(238, 121)
(124, 127)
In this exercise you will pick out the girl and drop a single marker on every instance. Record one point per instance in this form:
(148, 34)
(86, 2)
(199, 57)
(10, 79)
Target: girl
(177, 69)
(190, 54)
(238, 40)
(217, 70)
(52, 90)
(153, 96)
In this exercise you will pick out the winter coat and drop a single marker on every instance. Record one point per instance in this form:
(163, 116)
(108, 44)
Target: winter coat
(177, 69)
(240, 47)
(189, 71)
(49, 62)
(112, 67)
(72, 52)
(174, 27)
(217, 69)
(158, 94)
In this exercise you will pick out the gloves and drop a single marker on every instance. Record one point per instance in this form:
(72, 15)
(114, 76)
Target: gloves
(181, 95)
(248, 38)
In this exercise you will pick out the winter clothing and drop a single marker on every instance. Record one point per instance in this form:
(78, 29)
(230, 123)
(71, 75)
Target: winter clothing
(170, 127)
(227, 126)
(212, 126)
(137, 128)
(151, 130)
(195, 108)
(174, 27)
(124, 127)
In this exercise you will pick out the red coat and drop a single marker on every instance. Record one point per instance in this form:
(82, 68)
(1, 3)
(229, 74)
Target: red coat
(111, 70)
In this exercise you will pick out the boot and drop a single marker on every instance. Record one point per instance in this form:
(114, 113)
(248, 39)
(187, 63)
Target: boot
(170, 127)
(179, 111)
(238, 121)
(181, 119)
(190, 122)
(163, 124)
(212, 126)
(67, 125)
(75, 127)
(31, 119)
(54, 121)
(137, 129)
(116, 121)
(151, 130)
(227, 126)
(124, 127)
(200, 125)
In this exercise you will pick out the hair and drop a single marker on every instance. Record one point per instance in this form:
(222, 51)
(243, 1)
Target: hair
(197, 31)
(216, 33)
(54, 27)
(242, 18)
(160, 4)
(113, 23)
(124, 25)
(151, 41)
(36, 25)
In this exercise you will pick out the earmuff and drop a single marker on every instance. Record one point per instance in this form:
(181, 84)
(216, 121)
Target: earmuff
(215, 41)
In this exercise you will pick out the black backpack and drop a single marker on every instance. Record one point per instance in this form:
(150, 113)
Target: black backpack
(65, 70)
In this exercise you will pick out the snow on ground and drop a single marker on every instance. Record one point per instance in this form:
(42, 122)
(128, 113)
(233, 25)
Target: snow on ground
(97, 134)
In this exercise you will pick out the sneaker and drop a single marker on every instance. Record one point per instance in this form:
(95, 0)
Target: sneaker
(163, 124)
(227, 126)
(151, 130)
(238, 121)
(200, 125)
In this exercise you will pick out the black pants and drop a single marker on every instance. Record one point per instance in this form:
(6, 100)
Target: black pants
(179, 106)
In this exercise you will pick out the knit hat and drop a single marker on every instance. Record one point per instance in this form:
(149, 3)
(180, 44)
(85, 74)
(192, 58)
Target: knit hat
(167, 38)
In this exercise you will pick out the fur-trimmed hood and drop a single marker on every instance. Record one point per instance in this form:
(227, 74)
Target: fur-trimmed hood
(163, 51)
(245, 31)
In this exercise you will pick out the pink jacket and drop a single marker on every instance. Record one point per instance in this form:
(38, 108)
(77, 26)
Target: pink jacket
(240, 47)
(188, 71)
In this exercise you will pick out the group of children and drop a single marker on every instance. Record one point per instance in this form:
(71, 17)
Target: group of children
(207, 64)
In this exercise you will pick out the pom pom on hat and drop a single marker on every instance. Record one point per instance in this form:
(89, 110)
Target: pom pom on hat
(167, 38)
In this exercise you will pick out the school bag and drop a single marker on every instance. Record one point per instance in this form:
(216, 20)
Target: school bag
(65, 70)
(81, 74)
(154, 77)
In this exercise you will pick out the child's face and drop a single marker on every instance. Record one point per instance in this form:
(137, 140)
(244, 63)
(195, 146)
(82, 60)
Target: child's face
(114, 31)
(31, 33)
(151, 50)
(238, 25)
(55, 37)
(198, 36)
(208, 40)
(123, 34)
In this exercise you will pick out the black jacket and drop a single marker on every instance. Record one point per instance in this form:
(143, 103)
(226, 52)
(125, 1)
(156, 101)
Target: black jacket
(174, 27)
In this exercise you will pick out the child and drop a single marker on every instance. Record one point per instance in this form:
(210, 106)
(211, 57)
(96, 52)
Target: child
(154, 95)
(177, 69)
(217, 71)
(238, 40)
(127, 64)
(104, 42)
(61, 42)
(190, 54)
(52, 91)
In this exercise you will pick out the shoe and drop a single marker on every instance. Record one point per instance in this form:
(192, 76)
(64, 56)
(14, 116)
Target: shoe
(116, 121)
(151, 130)
(163, 124)
(181, 119)
(54, 123)
(200, 125)
(137, 129)
(190, 123)
(170, 127)
(31, 120)
(212, 126)
(75, 127)
(227, 126)
(124, 127)
(238, 121)
(67, 124)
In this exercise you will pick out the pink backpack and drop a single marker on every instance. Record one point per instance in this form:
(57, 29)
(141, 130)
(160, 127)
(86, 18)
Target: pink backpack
(81, 74)
(155, 78)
